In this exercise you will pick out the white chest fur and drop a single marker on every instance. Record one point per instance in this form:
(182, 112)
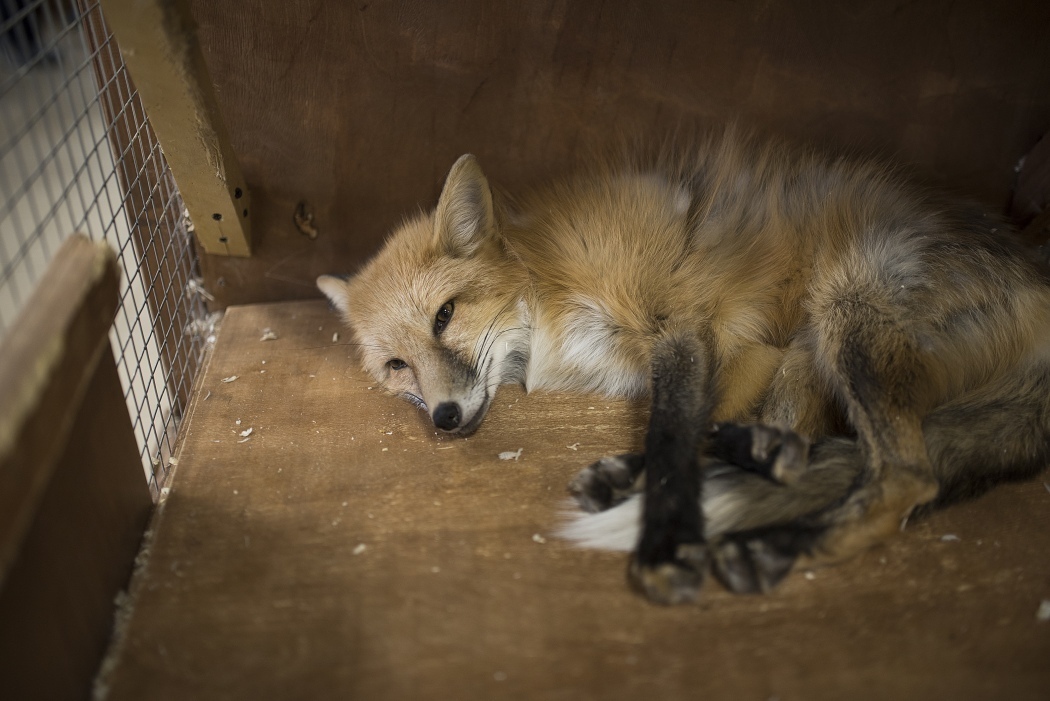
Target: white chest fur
(581, 349)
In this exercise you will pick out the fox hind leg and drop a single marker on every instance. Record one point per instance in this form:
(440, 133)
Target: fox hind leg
(994, 433)
(867, 355)
(888, 385)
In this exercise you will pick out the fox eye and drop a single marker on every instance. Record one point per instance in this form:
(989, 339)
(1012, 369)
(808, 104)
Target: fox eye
(396, 364)
(443, 316)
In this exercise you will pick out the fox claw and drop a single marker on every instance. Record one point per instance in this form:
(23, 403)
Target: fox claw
(756, 561)
(607, 482)
(780, 454)
(673, 582)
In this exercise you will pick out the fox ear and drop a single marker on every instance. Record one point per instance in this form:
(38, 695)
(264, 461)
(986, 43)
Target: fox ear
(464, 217)
(337, 290)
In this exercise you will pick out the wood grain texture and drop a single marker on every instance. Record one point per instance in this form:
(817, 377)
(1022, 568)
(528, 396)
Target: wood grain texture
(73, 503)
(258, 585)
(360, 108)
(56, 605)
(47, 360)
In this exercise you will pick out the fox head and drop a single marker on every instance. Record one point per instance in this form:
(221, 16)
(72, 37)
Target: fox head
(438, 315)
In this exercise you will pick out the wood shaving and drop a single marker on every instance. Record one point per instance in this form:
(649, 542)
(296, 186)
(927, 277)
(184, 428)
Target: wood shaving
(335, 337)
(361, 547)
(246, 432)
(574, 446)
(949, 537)
(511, 454)
(229, 379)
(537, 538)
(268, 335)
(245, 440)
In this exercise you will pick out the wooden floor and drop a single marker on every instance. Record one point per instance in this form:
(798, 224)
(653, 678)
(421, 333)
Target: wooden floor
(342, 550)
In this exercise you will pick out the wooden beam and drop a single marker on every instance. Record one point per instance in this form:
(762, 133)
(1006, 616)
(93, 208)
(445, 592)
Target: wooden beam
(73, 501)
(46, 362)
(56, 604)
(158, 41)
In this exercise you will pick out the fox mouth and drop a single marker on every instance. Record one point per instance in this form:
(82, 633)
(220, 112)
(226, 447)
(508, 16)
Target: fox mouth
(471, 425)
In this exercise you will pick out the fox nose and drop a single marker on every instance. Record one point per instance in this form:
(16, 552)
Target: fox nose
(446, 416)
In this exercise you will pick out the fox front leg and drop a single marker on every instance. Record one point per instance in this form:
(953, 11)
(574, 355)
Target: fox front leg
(669, 563)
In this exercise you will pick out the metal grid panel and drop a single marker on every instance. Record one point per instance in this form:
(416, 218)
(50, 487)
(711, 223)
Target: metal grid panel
(77, 154)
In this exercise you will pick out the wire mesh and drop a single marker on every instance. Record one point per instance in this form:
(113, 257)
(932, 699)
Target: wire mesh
(77, 154)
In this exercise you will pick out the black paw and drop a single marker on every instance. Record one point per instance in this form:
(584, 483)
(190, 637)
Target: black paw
(608, 482)
(673, 582)
(754, 562)
(779, 454)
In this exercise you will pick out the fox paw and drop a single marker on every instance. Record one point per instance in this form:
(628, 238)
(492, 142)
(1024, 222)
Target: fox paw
(608, 482)
(673, 582)
(777, 453)
(754, 562)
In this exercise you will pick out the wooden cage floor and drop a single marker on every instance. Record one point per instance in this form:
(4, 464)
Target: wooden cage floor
(345, 551)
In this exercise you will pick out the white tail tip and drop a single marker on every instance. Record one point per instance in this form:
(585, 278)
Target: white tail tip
(616, 529)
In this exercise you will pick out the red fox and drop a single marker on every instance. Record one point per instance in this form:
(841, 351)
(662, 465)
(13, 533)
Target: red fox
(825, 347)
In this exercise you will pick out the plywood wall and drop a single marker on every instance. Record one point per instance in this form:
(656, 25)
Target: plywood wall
(360, 108)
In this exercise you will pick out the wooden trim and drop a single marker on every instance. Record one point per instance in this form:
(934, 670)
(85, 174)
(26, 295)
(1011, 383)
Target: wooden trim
(56, 605)
(73, 500)
(159, 45)
(47, 359)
